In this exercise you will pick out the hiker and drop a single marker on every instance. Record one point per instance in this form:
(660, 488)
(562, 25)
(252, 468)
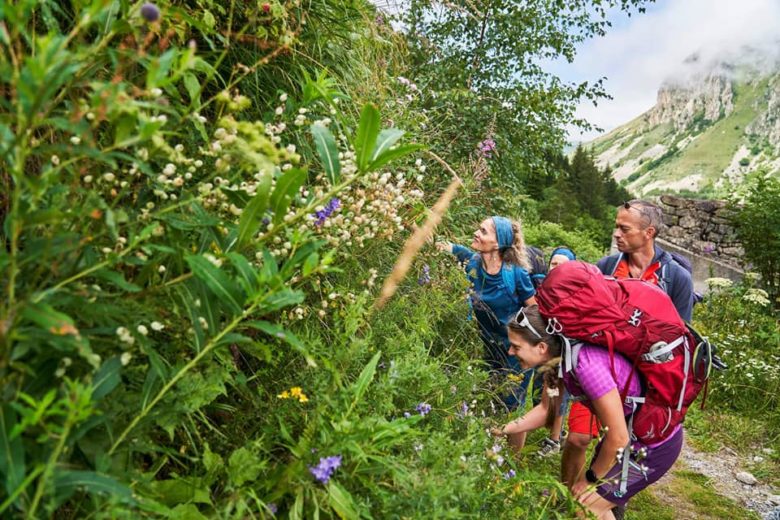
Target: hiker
(552, 443)
(594, 381)
(497, 267)
(637, 225)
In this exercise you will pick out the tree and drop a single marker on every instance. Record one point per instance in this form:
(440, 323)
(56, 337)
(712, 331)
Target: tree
(588, 183)
(758, 229)
(482, 59)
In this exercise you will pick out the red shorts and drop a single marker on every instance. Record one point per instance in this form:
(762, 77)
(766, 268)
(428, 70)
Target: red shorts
(582, 420)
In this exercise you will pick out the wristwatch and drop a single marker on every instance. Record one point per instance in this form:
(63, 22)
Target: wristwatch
(590, 476)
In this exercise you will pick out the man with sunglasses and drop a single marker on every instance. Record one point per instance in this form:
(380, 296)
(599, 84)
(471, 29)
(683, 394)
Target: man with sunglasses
(637, 225)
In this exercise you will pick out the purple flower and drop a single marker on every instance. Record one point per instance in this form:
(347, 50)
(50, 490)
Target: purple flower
(325, 468)
(150, 12)
(509, 474)
(709, 248)
(272, 508)
(464, 410)
(423, 408)
(487, 147)
(407, 414)
(327, 211)
(425, 277)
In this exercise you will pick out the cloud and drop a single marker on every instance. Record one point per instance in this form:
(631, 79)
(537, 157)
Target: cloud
(637, 56)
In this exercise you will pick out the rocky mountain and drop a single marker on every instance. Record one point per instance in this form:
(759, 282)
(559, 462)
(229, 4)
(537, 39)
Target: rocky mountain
(706, 133)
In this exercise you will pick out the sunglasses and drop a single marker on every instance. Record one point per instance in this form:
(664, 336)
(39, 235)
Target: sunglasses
(522, 320)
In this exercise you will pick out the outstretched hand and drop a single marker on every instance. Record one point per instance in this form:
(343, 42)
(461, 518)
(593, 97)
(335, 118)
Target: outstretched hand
(444, 246)
(497, 432)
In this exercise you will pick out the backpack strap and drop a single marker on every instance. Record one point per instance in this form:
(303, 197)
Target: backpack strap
(509, 276)
(612, 263)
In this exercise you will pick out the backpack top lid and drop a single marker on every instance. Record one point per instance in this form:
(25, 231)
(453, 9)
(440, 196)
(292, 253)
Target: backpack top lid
(586, 305)
(569, 284)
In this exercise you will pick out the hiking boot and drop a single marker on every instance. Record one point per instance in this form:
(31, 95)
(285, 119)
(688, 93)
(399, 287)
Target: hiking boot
(549, 446)
(619, 512)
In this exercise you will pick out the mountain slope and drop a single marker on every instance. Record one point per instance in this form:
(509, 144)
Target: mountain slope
(704, 135)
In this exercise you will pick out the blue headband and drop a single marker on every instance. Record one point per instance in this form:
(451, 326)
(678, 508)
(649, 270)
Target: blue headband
(565, 251)
(504, 235)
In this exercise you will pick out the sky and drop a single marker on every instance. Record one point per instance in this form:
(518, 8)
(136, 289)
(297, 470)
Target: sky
(639, 53)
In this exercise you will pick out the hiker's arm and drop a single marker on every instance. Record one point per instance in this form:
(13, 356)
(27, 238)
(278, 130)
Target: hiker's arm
(609, 410)
(534, 419)
(682, 295)
(462, 253)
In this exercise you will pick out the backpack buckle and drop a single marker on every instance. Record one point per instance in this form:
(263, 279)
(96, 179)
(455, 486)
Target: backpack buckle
(634, 319)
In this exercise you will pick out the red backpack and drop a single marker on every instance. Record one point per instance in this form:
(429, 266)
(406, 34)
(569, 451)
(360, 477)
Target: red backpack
(638, 320)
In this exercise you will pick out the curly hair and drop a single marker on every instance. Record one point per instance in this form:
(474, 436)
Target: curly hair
(516, 253)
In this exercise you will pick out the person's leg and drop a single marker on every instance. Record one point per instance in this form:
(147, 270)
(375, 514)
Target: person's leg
(555, 430)
(583, 428)
(573, 458)
(516, 442)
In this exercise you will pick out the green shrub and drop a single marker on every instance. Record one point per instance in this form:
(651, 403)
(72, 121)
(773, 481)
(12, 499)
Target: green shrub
(740, 321)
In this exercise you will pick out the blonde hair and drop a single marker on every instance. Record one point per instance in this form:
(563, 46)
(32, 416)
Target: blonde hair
(516, 253)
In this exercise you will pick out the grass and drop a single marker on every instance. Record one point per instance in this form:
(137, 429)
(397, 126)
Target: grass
(686, 495)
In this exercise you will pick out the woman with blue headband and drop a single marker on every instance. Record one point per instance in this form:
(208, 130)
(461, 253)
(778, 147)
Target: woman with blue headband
(497, 266)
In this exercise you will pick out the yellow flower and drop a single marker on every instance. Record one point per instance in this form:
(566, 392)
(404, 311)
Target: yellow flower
(303, 398)
(295, 391)
(284, 395)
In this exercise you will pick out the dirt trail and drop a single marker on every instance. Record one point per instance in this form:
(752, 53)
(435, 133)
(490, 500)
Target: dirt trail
(721, 468)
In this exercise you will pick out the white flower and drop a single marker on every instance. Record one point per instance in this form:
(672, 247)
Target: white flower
(87, 179)
(283, 98)
(75, 140)
(721, 283)
(157, 326)
(55, 160)
(279, 111)
(125, 358)
(757, 296)
(161, 269)
(143, 330)
(156, 92)
(203, 323)
(169, 169)
(109, 177)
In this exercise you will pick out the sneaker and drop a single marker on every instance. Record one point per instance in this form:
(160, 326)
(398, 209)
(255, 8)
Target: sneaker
(549, 446)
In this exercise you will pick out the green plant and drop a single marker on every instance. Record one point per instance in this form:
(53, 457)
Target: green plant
(757, 222)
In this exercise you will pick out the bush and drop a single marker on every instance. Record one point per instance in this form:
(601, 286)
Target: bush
(757, 222)
(739, 320)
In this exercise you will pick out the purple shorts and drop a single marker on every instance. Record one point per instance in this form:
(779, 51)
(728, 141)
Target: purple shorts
(658, 461)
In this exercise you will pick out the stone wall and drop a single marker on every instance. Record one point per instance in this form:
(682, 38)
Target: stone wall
(701, 227)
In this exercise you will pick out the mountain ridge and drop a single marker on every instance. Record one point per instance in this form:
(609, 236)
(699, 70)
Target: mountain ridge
(708, 132)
